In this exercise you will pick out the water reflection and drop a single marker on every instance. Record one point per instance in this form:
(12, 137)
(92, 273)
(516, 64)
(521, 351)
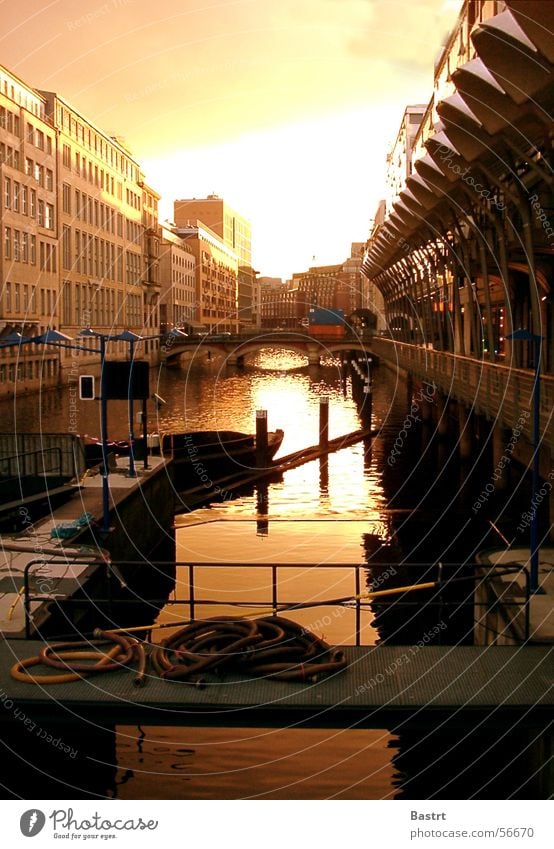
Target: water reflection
(388, 519)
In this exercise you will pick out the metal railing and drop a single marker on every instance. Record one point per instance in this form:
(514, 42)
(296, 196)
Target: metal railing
(493, 389)
(32, 463)
(359, 600)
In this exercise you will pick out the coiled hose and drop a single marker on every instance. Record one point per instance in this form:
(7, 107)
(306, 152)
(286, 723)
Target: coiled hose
(272, 647)
(84, 658)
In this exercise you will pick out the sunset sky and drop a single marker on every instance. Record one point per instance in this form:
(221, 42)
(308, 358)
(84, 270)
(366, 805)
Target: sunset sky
(286, 108)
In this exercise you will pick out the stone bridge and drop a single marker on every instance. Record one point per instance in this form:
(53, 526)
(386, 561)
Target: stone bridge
(236, 348)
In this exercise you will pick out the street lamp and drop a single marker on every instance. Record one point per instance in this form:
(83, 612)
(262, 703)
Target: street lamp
(131, 338)
(536, 341)
(61, 340)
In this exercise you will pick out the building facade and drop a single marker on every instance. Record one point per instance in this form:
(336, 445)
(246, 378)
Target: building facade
(399, 158)
(178, 302)
(29, 259)
(99, 187)
(151, 276)
(216, 277)
(236, 233)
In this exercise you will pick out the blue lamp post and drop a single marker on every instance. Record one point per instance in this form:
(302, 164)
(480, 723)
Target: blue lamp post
(103, 427)
(61, 340)
(131, 338)
(536, 341)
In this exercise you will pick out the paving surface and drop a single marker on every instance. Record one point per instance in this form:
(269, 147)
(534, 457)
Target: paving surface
(380, 684)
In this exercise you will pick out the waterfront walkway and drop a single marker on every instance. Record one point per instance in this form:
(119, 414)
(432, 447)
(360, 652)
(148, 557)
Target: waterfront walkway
(63, 566)
(382, 685)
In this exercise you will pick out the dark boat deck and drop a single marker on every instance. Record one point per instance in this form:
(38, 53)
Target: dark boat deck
(382, 686)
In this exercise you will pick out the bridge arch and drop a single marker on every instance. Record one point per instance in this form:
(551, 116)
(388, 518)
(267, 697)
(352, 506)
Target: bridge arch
(238, 347)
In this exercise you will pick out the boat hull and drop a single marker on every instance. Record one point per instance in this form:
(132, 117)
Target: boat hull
(207, 456)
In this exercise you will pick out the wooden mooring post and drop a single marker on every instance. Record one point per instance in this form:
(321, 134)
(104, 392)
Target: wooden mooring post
(261, 439)
(324, 421)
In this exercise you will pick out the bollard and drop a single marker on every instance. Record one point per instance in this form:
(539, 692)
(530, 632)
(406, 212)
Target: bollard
(323, 421)
(261, 439)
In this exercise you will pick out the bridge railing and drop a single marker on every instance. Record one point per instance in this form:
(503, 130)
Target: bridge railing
(492, 389)
(267, 599)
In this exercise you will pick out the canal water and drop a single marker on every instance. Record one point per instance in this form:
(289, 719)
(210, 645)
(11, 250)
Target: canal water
(398, 516)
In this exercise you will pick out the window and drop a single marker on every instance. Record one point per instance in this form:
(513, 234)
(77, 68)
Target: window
(39, 140)
(33, 250)
(49, 180)
(48, 144)
(32, 203)
(24, 196)
(39, 174)
(8, 243)
(66, 302)
(66, 247)
(8, 193)
(66, 156)
(49, 216)
(16, 188)
(8, 297)
(77, 262)
(25, 247)
(66, 197)
(16, 245)
(40, 213)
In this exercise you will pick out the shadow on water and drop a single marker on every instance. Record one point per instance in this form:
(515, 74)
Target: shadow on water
(456, 757)
(428, 494)
(58, 754)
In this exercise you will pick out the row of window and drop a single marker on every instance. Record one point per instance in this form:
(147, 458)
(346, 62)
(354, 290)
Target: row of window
(91, 256)
(133, 199)
(43, 176)
(41, 140)
(88, 170)
(20, 198)
(10, 155)
(85, 304)
(133, 268)
(93, 211)
(21, 95)
(28, 370)
(28, 299)
(98, 145)
(11, 122)
(182, 278)
(20, 246)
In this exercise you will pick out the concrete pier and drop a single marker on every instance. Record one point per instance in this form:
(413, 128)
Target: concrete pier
(141, 512)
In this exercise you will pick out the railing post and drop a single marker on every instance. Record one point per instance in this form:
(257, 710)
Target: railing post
(358, 606)
(191, 591)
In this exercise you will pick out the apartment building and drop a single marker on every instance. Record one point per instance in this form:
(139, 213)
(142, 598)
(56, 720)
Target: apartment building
(216, 276)
(236, 233)
(151, 277)
(99, 187)
(399, 158)
(29, 293)
(178, 300)
(278, 304)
